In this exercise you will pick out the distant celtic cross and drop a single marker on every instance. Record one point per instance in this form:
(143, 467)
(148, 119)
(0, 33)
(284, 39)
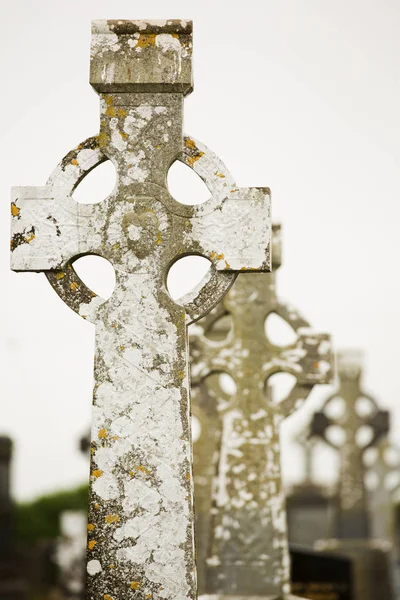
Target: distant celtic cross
(349, 410)
(242, 538)
(140, 526)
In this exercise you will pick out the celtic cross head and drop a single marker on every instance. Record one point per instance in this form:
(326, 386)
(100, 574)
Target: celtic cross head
(140, 529)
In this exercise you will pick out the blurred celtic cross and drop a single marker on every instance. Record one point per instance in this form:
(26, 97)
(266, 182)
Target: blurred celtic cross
(350, 421)
(241, 518)
(140, 526)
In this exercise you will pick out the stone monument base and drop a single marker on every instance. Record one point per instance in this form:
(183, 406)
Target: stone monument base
(371, 561)
(241, 597)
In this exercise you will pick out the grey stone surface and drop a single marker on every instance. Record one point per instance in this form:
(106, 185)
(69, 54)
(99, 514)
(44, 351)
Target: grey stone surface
(353, 410)
(242, 541)
(141, 536)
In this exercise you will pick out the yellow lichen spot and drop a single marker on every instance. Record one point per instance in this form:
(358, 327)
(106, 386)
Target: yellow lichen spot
(188, 476)
(181, 374)
(73, 285)
(227, 265)
(90, 527)
(220, 256)
(74, 162)
(158, 146)
(132, 473)
(220, 175)
(14, 209)
(92, 450)
(115, 438)
(135, 585)
(97, 506)
(111, 519)
(110, 111)
(111, 567)
(233, 191)
(109, 100)
(116, 246)
(60, 276)
(175, 35)
(122, 113)
(146, 39)
(107, 597)
(316, 365)
(102, 434)
(97, 473)
(92, 544)
(159, 239)
(148, 595)
(30, 238)
(122, 348)
(213, 254)
(103, 139)
(190, 144)
(123, 135)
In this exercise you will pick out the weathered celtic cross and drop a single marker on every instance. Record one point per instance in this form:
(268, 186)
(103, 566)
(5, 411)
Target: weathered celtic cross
(141, 516)
(246, 548)
(353, 409)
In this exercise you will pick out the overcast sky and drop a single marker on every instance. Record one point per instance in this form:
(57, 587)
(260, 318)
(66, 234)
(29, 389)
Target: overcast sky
(301, 96)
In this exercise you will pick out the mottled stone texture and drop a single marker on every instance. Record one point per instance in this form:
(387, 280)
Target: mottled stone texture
(350, 409)
(383, 473)
(242, 541)
(141, 539)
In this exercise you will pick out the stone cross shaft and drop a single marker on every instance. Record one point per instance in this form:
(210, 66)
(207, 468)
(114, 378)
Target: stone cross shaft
(307, 444)
(384, 471)
(140, 530)
(245, 548)
(353, 410)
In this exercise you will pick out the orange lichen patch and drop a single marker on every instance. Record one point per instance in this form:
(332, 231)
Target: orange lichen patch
(316, 365)
(227, 265)
(143, 469)
(116, 437)
(102, 434)
(74, 162)
(213, 254)
(175, 35)
(220, 256)
(114, 325)
(159, 239)
(158, 146)
(111, 567)
(190, 144)
(135, 585)
(30, 238)
(123, 135)
(146, 39)
(148, 595)
(107, 597)
(110, 111)
(188, 476)
(90, 527)
(122, 348)
(233, 191)
(220, 175)
(97, 506)
(73, 285)
(122, 113)
(111, 519)
(14, 209)
(97, 473)
(92, 544)
(60, 276)
(192, 159)
(108, 100)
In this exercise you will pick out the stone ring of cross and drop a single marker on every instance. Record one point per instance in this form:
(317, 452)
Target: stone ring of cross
(87, 156)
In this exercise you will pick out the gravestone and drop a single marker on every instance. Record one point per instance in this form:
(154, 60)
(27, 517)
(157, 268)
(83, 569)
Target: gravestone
(319, 576)
(70, 554)
(12, 585)
(245, 549)
(309, 506)
(361, 424)
(141, 536)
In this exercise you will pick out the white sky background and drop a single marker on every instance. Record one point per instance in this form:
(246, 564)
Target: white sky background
(301, 96)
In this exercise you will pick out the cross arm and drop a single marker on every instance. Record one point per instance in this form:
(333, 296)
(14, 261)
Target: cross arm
(49, 228)
(236, 233)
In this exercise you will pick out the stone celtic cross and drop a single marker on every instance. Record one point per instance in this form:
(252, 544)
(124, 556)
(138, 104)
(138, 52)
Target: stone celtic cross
(354, 410)
(140, 537)
(245, 549)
